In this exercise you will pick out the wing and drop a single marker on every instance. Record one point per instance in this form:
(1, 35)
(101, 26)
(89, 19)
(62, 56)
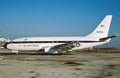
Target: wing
(60, 48)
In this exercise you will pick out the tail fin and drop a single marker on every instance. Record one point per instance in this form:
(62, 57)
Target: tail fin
(102, 29)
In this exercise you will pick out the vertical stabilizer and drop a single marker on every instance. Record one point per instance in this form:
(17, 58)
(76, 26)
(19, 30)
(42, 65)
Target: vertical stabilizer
(102, 29)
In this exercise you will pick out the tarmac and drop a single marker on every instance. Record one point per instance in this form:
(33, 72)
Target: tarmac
(74, 65)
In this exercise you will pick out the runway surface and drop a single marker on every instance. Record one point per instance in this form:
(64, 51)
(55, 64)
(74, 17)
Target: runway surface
(75, 65)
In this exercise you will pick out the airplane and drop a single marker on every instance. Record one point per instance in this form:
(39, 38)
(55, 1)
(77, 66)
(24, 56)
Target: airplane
(63, 44)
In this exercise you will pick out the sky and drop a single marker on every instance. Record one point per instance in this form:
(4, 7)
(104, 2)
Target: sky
(25, 18)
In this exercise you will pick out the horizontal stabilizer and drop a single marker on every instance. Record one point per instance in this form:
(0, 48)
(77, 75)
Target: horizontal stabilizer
(109, 37)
